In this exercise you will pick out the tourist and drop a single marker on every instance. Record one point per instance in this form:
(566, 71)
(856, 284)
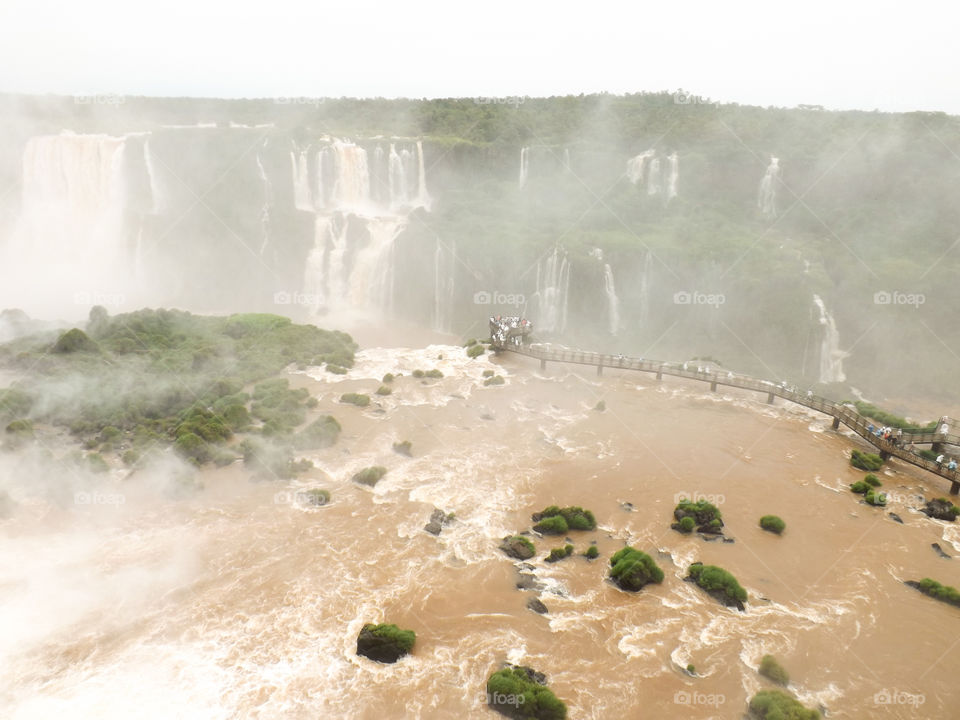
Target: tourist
(940, 461)
(952, 465)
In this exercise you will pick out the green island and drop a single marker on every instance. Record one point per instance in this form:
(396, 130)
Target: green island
(632, 569)
(521, 693)
(719, 583)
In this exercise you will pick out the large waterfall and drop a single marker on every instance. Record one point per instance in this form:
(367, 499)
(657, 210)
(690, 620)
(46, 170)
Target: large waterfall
(647, 169)
(673, 175)
(553, 291)
(767, 196)
(643, 313)
(831, 356)
(360, 207)
(610, 292)
(524, 166)
(79, 232)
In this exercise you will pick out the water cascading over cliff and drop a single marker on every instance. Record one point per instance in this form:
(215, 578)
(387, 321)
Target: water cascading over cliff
(361, 204)
(769, 185)
(831, 356)
(553, 292)
(524, 167)
(79, 232)
(609, 292)
(647, 169)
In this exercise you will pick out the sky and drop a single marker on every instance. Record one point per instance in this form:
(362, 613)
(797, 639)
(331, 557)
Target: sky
(865, 55)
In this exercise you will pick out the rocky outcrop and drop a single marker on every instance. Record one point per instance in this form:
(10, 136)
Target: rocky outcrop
(941, 509)
(517, 546)
(438, 520)
(384, 643)
(537, 606)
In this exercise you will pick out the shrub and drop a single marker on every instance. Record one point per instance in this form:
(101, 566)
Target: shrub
(130, 458)
(859, 487)
(517, 546)
(687, 524)
(384, 390)
(885, 418)
(706, 516)
(358, 399)
(772, 670)
(718, 582)
(470, 343)
(778, 705)
(475, 350)
(370, 476)
(96, 463)
(192, 447)
(495, 380)
(691, 670)
(403, 448)
(865, 461)
(75, 340)
(388, 378)
(560, 553)
(322, 432)
(772, 523)
(521, 693)
(631, 569)
(877, 499)
(575, 517)
(434, 373)
(872, 480)
(401, 640)
(600, 406)
(928, 454)
(316, 497)
(944, 593)
(336, 369)
(488, 373)
(418, 373)
(553, 525)
(21, 428)
(592, 552)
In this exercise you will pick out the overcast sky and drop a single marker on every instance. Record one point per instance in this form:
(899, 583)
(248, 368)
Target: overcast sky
(885, 55)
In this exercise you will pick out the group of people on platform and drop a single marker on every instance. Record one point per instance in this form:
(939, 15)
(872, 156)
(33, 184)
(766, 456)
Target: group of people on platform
(894, 436)
(512, 329)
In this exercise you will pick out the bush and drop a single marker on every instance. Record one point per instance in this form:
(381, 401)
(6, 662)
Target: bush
(96, 463)
(417, 373)
(865, 461)
(631, 569)
(560, 553)
(22, 428)
(316, 497)
(706, 516)
(358, 399)
(859, 487)
(488, 373)
(928, 454)
(130, 458)
(436, 374)
(384, 390)
(772, 670)
(592, 552)
(600, 406)
(321, 433)
(475, 350)
(772, 523)
(885, 418)
(517, 546)
(336, 369)
(553, 525)
(877, 499)
(403, 448)
(388, 378)
(75, 340)
(872, 480)
(521, 693)
(718, 582)
(778, 705)
(691, 670)
(687, 524)
(370, 476)
(944, 593)
(385, 642)
(495, 380)
(575, 517)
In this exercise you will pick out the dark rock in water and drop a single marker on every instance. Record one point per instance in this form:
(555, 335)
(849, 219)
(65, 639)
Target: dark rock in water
(729, 540)
(517, 547)
(896, 518)
(438, 518)
(532, 675)
(940, 509)
(537, 606)
(487, 416)
(939, 550)
(529, 581)
(626, 506)
(383, 647)
(709, 538)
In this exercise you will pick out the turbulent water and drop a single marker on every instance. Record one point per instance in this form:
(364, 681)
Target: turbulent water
(238, 602)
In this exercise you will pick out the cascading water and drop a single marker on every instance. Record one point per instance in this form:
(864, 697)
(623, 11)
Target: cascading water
(351, 266)
(673, 175)
(831, 356)
(524, 166)
(653, 177)
(267, 202)
(636, 166)
(553, 291)
(444, 267)
(767, 196)
(610, 292)
(643, 313)
(302, 192)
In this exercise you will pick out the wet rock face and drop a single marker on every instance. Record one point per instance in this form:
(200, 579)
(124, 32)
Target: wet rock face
(536, 605)
(438, 519)
(517, 547)
(940, 509)
(384, 647)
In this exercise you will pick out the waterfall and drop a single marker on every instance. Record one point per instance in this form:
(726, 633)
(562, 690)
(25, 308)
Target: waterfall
(371, 281)
(158, 200)
(267, 201)
(636, 166)
(610, 292)
(831, 356)
(653, 177)
(423, 198)
(644, 311)
(553, 290)
(524, 166)
(352, 187)
(444, 267)
(398, 178)
(320, 196)
(673, 175)
(302, 194)
(767, 196)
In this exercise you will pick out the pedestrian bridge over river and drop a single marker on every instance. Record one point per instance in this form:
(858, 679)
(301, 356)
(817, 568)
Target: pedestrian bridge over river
(841, 413)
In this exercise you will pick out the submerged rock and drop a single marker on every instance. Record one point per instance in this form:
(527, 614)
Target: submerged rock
(896, 518)
(536, 605)
(529, 581)
(939, 550)
(384, 643)
(517, 547)
(438, 519)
